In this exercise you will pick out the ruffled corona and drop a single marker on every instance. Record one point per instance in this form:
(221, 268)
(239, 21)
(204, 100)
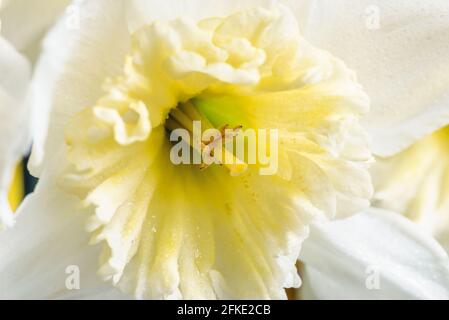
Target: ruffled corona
(416, 183)
(182, 231)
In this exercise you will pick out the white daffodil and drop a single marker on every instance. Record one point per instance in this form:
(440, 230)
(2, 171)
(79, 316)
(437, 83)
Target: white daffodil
(120, 82)
(415, 183)
(14, 135)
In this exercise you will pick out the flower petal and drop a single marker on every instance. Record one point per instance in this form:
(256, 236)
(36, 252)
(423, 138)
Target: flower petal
(26, 36)
(14, 133)
(14, 70)
(374, 255)
(400, 51)
(48, 239)
(71, 71)
(144, 11)
(415, 183)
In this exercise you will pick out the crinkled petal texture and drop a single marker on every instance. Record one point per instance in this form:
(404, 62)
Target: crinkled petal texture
(373, 255)
(14, 131)
(415, 183)
(400, 52)
(174, 231)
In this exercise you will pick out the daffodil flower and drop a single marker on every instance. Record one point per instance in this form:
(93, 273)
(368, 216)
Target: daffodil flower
(130, 73)
(14, 134)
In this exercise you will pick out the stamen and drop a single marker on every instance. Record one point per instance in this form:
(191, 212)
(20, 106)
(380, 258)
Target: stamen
(183, 119)
(184, 116)
(190, 110)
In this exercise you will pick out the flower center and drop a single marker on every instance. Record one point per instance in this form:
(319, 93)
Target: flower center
(208, 145)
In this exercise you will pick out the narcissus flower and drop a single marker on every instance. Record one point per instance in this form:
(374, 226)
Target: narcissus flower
(120, 83)
(178, 231)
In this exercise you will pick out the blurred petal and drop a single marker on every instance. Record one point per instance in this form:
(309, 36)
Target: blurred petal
(345, 259)
(144, 11)
(400, 50)
(14, 73)
(415, 183)
(76, 60)
(48, 238)
(24, 22)
(14, 70)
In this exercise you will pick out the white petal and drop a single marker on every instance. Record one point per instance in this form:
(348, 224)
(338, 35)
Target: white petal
(342, 260)
(14, 70)
(145, 11)
(444, 241)
(402, 59)
(48, 238)
(24, 22)
(14, 74)
(77, 58)
(415, 183)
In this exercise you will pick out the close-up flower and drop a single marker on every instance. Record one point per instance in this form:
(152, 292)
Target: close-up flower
(226, 150)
